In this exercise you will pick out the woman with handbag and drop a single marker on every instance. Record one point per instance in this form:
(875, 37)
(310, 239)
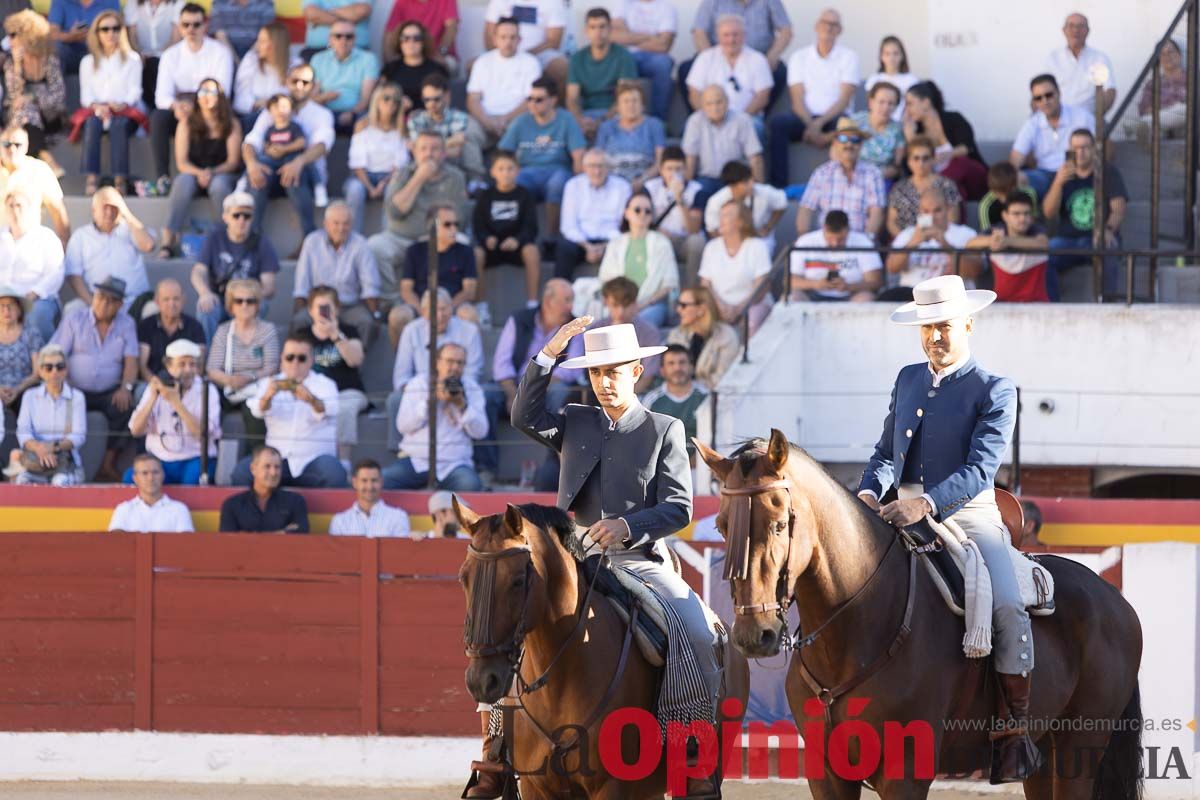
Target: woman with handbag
(244, 349)
(51, 427)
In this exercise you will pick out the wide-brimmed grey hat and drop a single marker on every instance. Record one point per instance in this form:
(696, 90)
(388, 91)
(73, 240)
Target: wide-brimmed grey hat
(940, 299)
(611, 344)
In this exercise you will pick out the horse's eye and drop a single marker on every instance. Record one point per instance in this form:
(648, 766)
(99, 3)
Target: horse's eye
(519, 582)
(780, 526)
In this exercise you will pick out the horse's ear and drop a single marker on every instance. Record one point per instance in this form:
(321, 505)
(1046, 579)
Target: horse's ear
(777, 450)
(514, 522)
(716, 462)
(466, 517)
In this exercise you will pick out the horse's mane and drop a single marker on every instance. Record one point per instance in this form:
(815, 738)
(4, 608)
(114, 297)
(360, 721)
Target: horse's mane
(550, 518)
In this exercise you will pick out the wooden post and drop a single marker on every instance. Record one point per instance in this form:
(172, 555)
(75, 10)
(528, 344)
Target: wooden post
(369, 635)
(143, 631)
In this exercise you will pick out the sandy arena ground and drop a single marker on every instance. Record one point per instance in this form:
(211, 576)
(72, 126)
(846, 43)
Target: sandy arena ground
(163, 791)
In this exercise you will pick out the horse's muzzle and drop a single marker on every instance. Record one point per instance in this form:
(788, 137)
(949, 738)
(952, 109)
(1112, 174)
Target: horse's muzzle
(488, 678)
(758, 635)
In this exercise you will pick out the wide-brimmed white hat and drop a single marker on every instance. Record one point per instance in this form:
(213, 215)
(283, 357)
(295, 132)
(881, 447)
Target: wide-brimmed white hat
(940, 299)
(611, 344)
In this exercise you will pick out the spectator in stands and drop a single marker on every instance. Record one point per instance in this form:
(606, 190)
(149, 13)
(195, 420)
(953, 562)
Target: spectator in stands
(338, 353)
(284, 139)
(412, 355)
(549, 146)
(440, 19)
(101, 346)
(171, 416)
(933, 229)
(822, 79)
(767, 30)
(645, 258)
(505, 226)
(69, 26)
(885, 147)
(112, 245)
(735, 266)
(153, 27)
(245, 349)
(265, 508)
(337, 256)
(150, 511)
(261, 74)
(426, 181)
(377, 152)
(321, 15)
(893, 69)
(621, 302)
(634, 142)
(31, 260)
(500, 82)
(51, 427)
(232, 252)
(904, 199)
(302, 178)
(713, 344)
(462, 418)
(464, 138)
(647, 28)
(1040, 144)
(282, 144)
(526, 332)
(675, 214)
(456, 272)
(678, 395)
(346, 76)
(369, 515)
(19, 346)
(1172, 100)
(444, 522)
(743, 72)
(1019, 277)
(412, 62)
(170, 324)
(182, 69)
(300, 407)
(207, 160)
(830, 275)
(714, 136)
(1002, 181)
(766, 203)
(846, 183)
(1072, 66)
(1072, 200)
(593, 73)
(591, 214)
(541, 32)
(19, 169)
(110, 88)
(236, 23)
(35, 96)
(955, 153)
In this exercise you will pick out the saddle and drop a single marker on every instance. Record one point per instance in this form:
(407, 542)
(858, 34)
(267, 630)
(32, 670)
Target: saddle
(624, 590)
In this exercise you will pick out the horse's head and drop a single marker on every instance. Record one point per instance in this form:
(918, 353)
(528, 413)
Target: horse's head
(767, 524)
(504, 578)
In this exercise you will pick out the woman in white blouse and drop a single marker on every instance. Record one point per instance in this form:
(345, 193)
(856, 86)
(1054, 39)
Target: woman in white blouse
(261, 73)
(644, 256)
(377, 151)
(153, 27)
(51, 427)
(31, 259)
(110, 86)
(735, 265)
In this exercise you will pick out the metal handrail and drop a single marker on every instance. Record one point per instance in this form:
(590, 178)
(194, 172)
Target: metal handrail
(1152, 62)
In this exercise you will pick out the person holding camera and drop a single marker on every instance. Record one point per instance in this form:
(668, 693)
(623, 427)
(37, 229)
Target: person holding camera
(825, 274)
(933, 231)
(300, 408)
(462, 418)
(338, 354)
(171, 413)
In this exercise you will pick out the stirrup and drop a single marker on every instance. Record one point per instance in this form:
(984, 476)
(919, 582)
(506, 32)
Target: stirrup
(508, 787)
(711, 790)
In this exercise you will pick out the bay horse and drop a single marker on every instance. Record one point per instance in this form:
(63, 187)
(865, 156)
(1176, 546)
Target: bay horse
(876, 629)
(535, 617)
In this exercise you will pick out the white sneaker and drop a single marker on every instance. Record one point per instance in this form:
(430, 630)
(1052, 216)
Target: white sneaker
(320, 195)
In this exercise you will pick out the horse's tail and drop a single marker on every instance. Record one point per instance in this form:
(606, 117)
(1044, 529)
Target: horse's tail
(1120, 773)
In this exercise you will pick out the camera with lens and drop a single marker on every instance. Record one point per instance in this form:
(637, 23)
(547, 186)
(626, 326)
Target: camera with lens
(453, 386)
(166, 379)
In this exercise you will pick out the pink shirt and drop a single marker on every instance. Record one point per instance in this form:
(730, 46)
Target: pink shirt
(430, 13)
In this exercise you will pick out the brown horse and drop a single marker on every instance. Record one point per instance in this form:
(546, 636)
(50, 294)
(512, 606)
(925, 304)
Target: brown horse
(533, 616)
(878, 629)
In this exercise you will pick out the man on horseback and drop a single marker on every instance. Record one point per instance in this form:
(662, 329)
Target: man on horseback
(948, 426)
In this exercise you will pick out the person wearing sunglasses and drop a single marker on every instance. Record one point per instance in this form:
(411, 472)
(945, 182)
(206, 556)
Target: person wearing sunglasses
(411, 62)
(244, 349)
(846, 183)
(18, 168)
(646, 258)
(152, 29)
(457, 272)
(110, 96)
(464, 137)
(346, 75)
(320, 16)
(231, 251)
(904, 199)
(35, 94)
(378, 151)
(1038, 151)
(441, 21)
(300, 408)
(51, 427)
(181, 70)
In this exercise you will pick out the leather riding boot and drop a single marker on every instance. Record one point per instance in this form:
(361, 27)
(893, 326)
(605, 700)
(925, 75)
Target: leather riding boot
(487, 775)
(1014, 755)
(708, 788)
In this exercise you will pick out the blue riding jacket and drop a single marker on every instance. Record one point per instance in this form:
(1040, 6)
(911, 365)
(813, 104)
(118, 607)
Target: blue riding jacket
(951, 439)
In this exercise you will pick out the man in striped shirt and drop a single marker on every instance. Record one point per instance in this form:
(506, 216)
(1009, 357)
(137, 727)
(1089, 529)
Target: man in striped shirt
(369, 516)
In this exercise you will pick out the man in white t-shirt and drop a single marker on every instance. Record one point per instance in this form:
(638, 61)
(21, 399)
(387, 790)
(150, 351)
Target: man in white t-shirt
(20, 170)
(766, 203)
(822, 79)
(150, 511)
(369, 516)
(829, 275)
(500, 81)
(1073, 66)
(743, 73)
(933, 230)
(542, 23)
(647, 28)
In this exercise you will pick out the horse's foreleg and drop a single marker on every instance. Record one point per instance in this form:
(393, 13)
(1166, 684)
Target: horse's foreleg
(903, 789)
